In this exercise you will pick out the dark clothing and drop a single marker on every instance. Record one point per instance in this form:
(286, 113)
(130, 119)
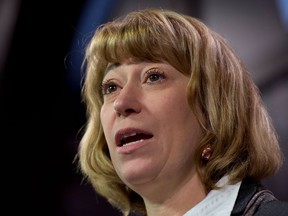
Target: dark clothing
(254, 199)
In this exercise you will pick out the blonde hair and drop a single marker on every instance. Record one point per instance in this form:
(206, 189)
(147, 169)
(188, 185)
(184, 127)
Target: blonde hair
(237, 126)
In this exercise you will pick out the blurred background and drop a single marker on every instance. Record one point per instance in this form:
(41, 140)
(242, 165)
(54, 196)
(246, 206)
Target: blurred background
(41, 113)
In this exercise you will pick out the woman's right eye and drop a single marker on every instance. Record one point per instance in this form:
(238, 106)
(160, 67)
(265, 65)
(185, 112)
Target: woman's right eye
(108, 88)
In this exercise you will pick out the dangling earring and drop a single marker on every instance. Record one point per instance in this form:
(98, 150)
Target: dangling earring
(206, 154)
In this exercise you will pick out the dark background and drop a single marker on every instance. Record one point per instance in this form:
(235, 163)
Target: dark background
(41, 113)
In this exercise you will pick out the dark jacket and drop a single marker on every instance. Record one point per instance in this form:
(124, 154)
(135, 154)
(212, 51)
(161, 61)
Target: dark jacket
(254, 199)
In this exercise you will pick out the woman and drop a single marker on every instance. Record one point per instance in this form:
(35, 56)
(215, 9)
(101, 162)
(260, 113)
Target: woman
(176, 125)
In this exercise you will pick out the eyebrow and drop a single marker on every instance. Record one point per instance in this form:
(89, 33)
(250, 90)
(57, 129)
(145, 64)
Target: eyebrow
(111, 66)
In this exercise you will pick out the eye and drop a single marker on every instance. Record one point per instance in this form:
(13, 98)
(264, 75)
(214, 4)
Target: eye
(154, 75)
(108, 87)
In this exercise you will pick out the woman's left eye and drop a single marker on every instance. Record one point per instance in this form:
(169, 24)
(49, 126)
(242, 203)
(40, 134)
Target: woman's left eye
(154, 76)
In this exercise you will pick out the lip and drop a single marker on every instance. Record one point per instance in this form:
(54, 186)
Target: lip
(130, 147)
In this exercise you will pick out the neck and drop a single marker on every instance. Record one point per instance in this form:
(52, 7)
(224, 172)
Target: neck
(175, 200)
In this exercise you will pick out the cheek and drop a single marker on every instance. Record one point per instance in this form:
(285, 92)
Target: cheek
(180, 117)
(106, 113)
(106, 122)
(103, 117)
(176, 105)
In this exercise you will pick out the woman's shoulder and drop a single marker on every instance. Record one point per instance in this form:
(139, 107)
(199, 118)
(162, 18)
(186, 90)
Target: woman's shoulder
(254, 199)
(272, 208)
(264, 203)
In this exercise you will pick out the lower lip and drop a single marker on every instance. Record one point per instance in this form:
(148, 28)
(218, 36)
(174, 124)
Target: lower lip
(128, 149)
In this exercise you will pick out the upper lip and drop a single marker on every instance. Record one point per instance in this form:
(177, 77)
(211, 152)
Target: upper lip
(128, 132)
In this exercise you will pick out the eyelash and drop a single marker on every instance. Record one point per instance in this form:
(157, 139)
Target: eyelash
(106, 85)
(151, 72)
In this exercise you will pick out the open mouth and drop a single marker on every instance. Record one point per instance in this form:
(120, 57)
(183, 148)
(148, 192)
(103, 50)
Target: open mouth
(132, 138)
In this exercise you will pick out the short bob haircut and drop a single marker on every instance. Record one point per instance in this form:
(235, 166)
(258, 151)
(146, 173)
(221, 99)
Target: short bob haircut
(237, 126)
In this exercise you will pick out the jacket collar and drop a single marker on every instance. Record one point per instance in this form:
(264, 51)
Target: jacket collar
(247, 189)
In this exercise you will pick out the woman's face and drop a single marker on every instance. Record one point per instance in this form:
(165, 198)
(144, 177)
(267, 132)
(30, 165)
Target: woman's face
(149, 126)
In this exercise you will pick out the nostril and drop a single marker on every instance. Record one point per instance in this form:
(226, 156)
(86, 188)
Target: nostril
(130, 110)
(125, 112)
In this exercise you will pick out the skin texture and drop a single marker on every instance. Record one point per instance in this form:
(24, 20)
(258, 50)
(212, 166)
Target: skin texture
(151, 98)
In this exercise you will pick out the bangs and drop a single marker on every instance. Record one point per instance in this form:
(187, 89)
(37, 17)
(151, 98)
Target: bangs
(140, 38)
(136, 41)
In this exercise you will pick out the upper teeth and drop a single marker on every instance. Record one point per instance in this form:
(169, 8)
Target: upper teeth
(128, 135)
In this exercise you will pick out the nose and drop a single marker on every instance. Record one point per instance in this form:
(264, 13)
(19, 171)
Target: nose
(127, 101)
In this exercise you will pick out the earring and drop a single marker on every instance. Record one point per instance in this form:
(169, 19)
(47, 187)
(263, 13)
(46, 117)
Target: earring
(206, 153)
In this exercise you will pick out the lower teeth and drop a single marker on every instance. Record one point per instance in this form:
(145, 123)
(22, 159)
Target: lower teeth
(131, 143)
